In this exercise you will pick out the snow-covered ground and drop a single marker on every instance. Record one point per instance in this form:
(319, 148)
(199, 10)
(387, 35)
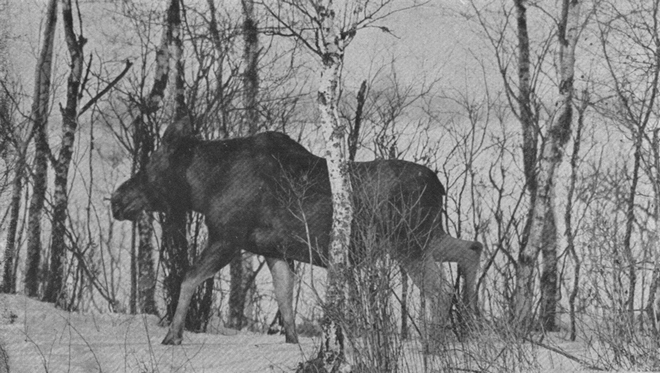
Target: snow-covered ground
(40, 338)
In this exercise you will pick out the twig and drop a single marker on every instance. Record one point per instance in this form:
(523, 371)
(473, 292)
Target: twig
(98, 363)
(106, 89)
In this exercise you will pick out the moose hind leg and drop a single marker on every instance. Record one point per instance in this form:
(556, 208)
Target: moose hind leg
(469, 264)
(467, 255)
(215, 256)
(283, 283)
(427, 276)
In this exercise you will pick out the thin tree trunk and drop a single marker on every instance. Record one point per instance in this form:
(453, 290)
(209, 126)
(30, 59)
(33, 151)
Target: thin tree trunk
(241, 270)
(251, 73)
(174, 236)
(651, 306)
(133, 298)
(630, 221)
(568, 216)
(549, 277)
(238, 292)
(542, 234)
(354, 136)
(56, 288)
(404, 304)
(9, 275)
(40, 167)
(146, 277)
(527, 118)
(529, 124)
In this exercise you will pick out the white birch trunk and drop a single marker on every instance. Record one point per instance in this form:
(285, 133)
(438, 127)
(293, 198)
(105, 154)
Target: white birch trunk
(40, 167)
(543, 235)
(338, 171)
(56, 288)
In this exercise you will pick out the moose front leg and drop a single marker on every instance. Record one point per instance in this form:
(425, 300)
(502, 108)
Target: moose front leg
(216, 255)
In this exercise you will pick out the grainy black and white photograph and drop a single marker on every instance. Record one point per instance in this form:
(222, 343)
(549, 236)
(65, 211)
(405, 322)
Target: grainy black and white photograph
(319, 186)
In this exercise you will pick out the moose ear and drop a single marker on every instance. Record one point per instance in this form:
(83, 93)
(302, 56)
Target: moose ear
(177, 131)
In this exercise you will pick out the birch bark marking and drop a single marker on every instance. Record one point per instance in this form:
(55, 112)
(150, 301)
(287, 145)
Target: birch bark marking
(543, 231)
(340, 185)
(56, 288)
(40, 169)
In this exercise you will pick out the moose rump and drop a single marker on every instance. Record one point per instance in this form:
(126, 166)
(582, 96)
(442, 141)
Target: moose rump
(268, 195)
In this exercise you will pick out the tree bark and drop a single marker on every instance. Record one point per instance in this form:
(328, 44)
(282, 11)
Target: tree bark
(144, 139)
(528, 119)
(146, 277)
(56, 288)
(332, 348)
(39, 116)
(568, 216)
(652, 306)
(404, 304)
(9, 275)
(241, 269)
(542, 234)
(251, 73)
(354, 136)
(529, 123)
(628, 255)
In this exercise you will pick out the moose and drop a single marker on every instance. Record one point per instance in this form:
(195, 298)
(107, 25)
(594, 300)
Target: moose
(270, 196)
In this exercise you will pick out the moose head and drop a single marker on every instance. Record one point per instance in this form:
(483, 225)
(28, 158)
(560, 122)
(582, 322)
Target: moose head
(158, 186)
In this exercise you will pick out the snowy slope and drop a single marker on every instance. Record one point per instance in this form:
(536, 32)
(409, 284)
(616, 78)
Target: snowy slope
(40, 338)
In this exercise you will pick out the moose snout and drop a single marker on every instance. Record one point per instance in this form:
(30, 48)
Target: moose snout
(117, 207)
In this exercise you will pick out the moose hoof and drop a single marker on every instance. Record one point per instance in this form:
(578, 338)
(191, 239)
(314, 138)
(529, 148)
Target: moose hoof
(172, 339)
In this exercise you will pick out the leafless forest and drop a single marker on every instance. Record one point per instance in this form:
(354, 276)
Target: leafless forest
(540, 118)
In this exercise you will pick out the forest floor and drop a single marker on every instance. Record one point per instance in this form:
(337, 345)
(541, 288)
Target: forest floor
(40, 338)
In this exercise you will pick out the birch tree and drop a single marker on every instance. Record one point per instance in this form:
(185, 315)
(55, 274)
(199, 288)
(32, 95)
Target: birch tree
(542, 227)
(251, 72)
(56, 287)
(39, 117)
(326, 32)
(174, 237)
(144, 135)
(329, 43)
(10, 137)
(332, 48)
(144, 138)
(14, 137)
(241, 267)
